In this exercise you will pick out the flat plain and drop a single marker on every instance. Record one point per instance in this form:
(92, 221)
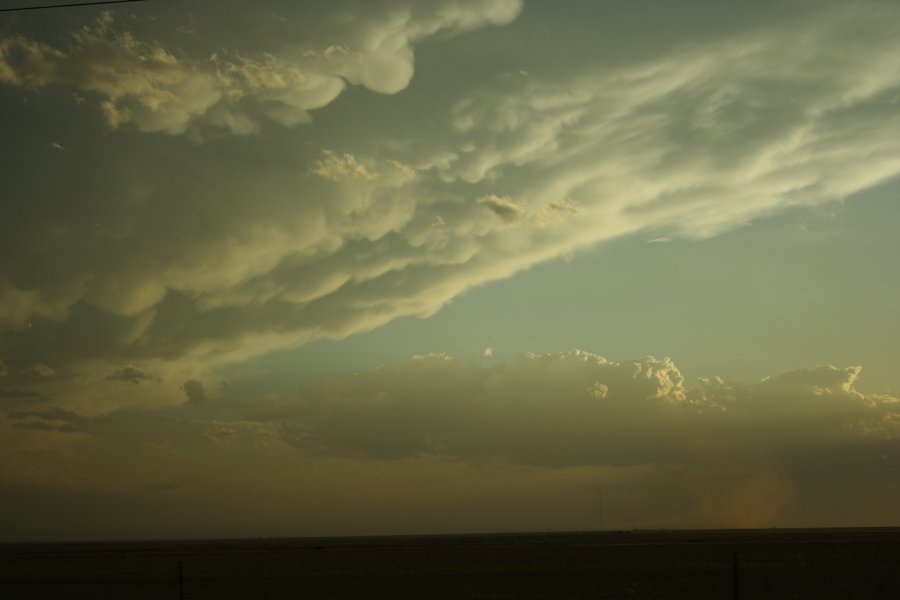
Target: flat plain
(772, 563)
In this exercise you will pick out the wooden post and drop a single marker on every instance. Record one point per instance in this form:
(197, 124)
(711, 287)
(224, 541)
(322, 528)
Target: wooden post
(734, 572)
(180, 581)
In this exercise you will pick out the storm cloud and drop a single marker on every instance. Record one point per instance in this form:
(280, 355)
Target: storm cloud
(214, 250)
(144, 83)
(201, 204)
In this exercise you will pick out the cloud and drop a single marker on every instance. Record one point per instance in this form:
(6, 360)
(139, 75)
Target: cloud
(19, 394)
(538, 437)
(129, 374)
(159, 274)
(335, 167)
(50, 419)
(49, 414)
(210, 254)
(156, 88)
(538, 410)
(703, 139)
(195, 392)
(503, 207)
(39, 371)
(574, 409)
(137, 82)
(37, 426)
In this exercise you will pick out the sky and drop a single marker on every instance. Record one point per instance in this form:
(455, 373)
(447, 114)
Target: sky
(440, 266)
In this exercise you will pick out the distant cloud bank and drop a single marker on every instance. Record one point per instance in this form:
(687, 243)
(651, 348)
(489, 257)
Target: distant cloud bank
(718, 453)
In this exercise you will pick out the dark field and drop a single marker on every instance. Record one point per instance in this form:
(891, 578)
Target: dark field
(837, 563)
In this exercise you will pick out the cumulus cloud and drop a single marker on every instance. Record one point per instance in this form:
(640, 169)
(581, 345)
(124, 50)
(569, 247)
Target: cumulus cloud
(574, 409)
(137, 82)
(335, 167)
(156, 88)
(719, 453)
(538, 410)
(279, 256)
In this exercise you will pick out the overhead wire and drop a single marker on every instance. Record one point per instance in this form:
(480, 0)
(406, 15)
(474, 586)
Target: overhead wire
(69, 5)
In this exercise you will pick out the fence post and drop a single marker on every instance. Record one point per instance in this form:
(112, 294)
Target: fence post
(734, 574)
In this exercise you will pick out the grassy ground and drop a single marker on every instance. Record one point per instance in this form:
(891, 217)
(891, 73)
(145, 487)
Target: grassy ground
(862, 563)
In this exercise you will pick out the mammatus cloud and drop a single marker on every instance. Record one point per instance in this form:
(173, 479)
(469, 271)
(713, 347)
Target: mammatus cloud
(719, 453)
(157, 88)
(216, 252)
(703, 139)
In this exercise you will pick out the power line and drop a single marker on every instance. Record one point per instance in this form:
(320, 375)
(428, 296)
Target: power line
(98, 2)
